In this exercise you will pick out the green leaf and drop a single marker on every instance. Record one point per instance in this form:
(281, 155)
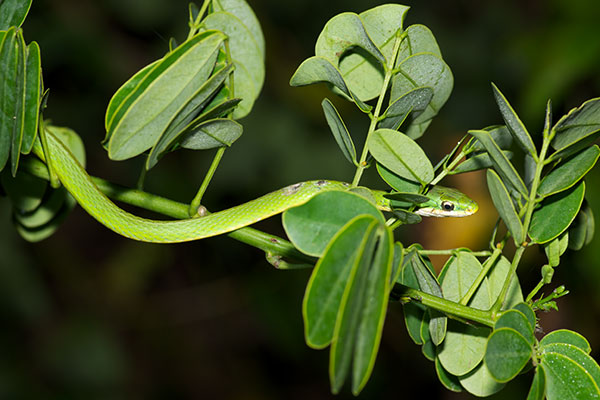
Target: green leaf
(429, 284)
(214, 133)
(449, 381)
(516, 320)
(330, 279)
(411, 103)
(18, 111)
(500, 135)
(581, 231)
(13, 13)
(538, 386)
(397, 182)
(177, 126)
(569, 172)
(566, 379)
(246, 54)
(339, 130)
(578, 124)
(401, 155)
(505, 206)
(412, 198)
(373, 309)
(24, 191)
(396, 263)
(345, 333)
(123, 93)
(33, 87)
(556, 214)
(9, 55)
(496, 279)
(346, 33)
(480, 382)
(477, 162)
(423, 70)
(514, 123)
(44, 231)
(244, 13)
(501, 163)
(361, 70)
(567, 337)
(506, 354)
(406, 217)
(419, 39)
(319, 69)
(149, 109)
(463, 348)
(312, 225)
(576, 354)
(528, 312)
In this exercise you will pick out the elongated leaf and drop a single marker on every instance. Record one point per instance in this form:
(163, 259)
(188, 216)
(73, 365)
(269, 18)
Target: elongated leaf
(401, 155)
(477, 162)
(33, 87)
(413, 102)
(373, 310)
(506, 354)
(396, 263)
(538, 386)
(312, 225)
(567, 337)
(13, 13)
(396, 182)
(246, 54)
(581, 231)
(339, 130)
(429, 284)
(579, 123)
(569, 172)
(330, 278)
(514, 123)
(423, 70)
(361, 71)
(176, 127)
(319, 69)
(556, 214)
(501, 163)
(212, 134)
(18, 111)
(348, 317)
(500, 135)
(505, 206)
(412, 198)
(8, 91)
(148, 110)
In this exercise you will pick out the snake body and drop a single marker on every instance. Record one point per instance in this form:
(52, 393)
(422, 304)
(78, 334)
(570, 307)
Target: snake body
(77, 181)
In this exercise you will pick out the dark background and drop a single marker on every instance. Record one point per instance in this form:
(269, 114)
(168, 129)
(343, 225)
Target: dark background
(88, 314)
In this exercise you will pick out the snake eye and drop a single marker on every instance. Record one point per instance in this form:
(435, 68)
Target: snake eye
(447, 205)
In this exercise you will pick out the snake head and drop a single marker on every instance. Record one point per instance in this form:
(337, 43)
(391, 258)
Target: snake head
(447, 202)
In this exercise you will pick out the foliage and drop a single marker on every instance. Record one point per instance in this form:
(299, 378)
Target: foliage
(472, 319)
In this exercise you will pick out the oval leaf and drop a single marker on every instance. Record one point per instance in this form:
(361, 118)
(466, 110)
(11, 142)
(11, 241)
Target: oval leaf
(506, 354)
(567, 380)
(579, 123)
(413, 102)
(13, 13)
(401, 155)
(212, 134)
(569, 172)
(312, 225)
(556, 214)
(568, 337)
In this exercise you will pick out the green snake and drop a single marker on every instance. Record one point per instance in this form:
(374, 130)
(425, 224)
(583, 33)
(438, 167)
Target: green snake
(443, 202)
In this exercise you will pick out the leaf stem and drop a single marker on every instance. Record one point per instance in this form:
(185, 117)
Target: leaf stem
(389, 70)
(195, 204)
(487, 265)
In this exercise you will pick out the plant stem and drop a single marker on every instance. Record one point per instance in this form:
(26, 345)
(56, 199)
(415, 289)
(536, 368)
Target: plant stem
(487, 265)
(449, 252)
(161, 205)
(362, 164)
(448, 307)
(448, 168)
(193, 209)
